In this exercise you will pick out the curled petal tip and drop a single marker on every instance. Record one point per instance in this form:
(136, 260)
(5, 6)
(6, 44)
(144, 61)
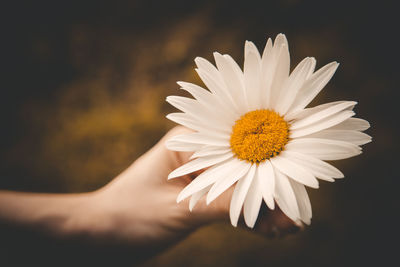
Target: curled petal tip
(217, 54)
(197, 59)
(179, 198)
(234, 223)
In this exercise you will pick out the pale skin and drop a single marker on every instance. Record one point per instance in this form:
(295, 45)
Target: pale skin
(137, 209)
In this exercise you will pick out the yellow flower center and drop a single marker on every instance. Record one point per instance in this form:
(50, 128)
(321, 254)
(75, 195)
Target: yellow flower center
(259, 135)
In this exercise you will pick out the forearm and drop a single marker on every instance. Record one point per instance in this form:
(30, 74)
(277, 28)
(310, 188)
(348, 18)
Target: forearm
(60, 215)
(67, 226)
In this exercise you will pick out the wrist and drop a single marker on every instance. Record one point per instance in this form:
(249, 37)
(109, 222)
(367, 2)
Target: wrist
(88, 218)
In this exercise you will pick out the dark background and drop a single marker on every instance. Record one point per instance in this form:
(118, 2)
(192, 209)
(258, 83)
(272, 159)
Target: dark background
(82, 96)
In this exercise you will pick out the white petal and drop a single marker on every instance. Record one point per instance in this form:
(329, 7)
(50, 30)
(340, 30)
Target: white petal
(252, 204)
(198, 164)
(183, 103)
(322, 114)
(294, 83)
(304, 113)
(317, 167)
(303, 201)
(239, 195)
(201, 113)
(282, 70)
(294, 171)
(252, 72)
(274, 73)
(180, 146)
(285, 197)
(209, 68)
(201, 94)
(266, 53)
(197, 196)
(202, 139)
(268, 63)
(233, 79)
(322, 124)
(208, 100)
(241, 169)
(356, 124)
(266, 179)
(323, 148)
(207, 178)
(200, 126)
(210, 150)
(354, 137)
(221, 92)
(251, 47)
(235, 67)
(313, 86)
(210, 75)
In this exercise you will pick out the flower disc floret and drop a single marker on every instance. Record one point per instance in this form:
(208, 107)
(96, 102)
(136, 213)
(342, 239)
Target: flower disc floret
(259, 135)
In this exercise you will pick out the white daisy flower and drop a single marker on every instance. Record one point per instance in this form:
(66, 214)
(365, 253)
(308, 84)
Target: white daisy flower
(253, 131)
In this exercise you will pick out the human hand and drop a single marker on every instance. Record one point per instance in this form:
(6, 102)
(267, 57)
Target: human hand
(139, 206)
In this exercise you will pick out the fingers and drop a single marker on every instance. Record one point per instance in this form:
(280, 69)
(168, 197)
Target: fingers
(271, 223)
(274, 223)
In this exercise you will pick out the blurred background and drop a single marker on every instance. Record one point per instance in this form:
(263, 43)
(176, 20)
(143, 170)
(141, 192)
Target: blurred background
(83, 87)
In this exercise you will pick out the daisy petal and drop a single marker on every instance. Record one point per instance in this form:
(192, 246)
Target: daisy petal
(250, 47)
(202, 139)
(354, 137)
(198, 164)
(267, 53)
(303, 201)
(200, 126)
(252, 204)
(197, 196)
(209, 150)
(322, 124)
(318, 116)
(356, 124)
(239, 195)
(313, 86)
(294, 83)
(233, 79)
(317, 167)
(282, 69)
(240, 170)
(285, 197)
(294, 171)
(323, 149)
(198, 92)
(196, 110)
(209, 101)
(275, 69)
(182, 103)
(252, 69)
(210, 69)
(206, 178)
(266, 179)
(220, 91)
(268, 63)
(304, 113)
